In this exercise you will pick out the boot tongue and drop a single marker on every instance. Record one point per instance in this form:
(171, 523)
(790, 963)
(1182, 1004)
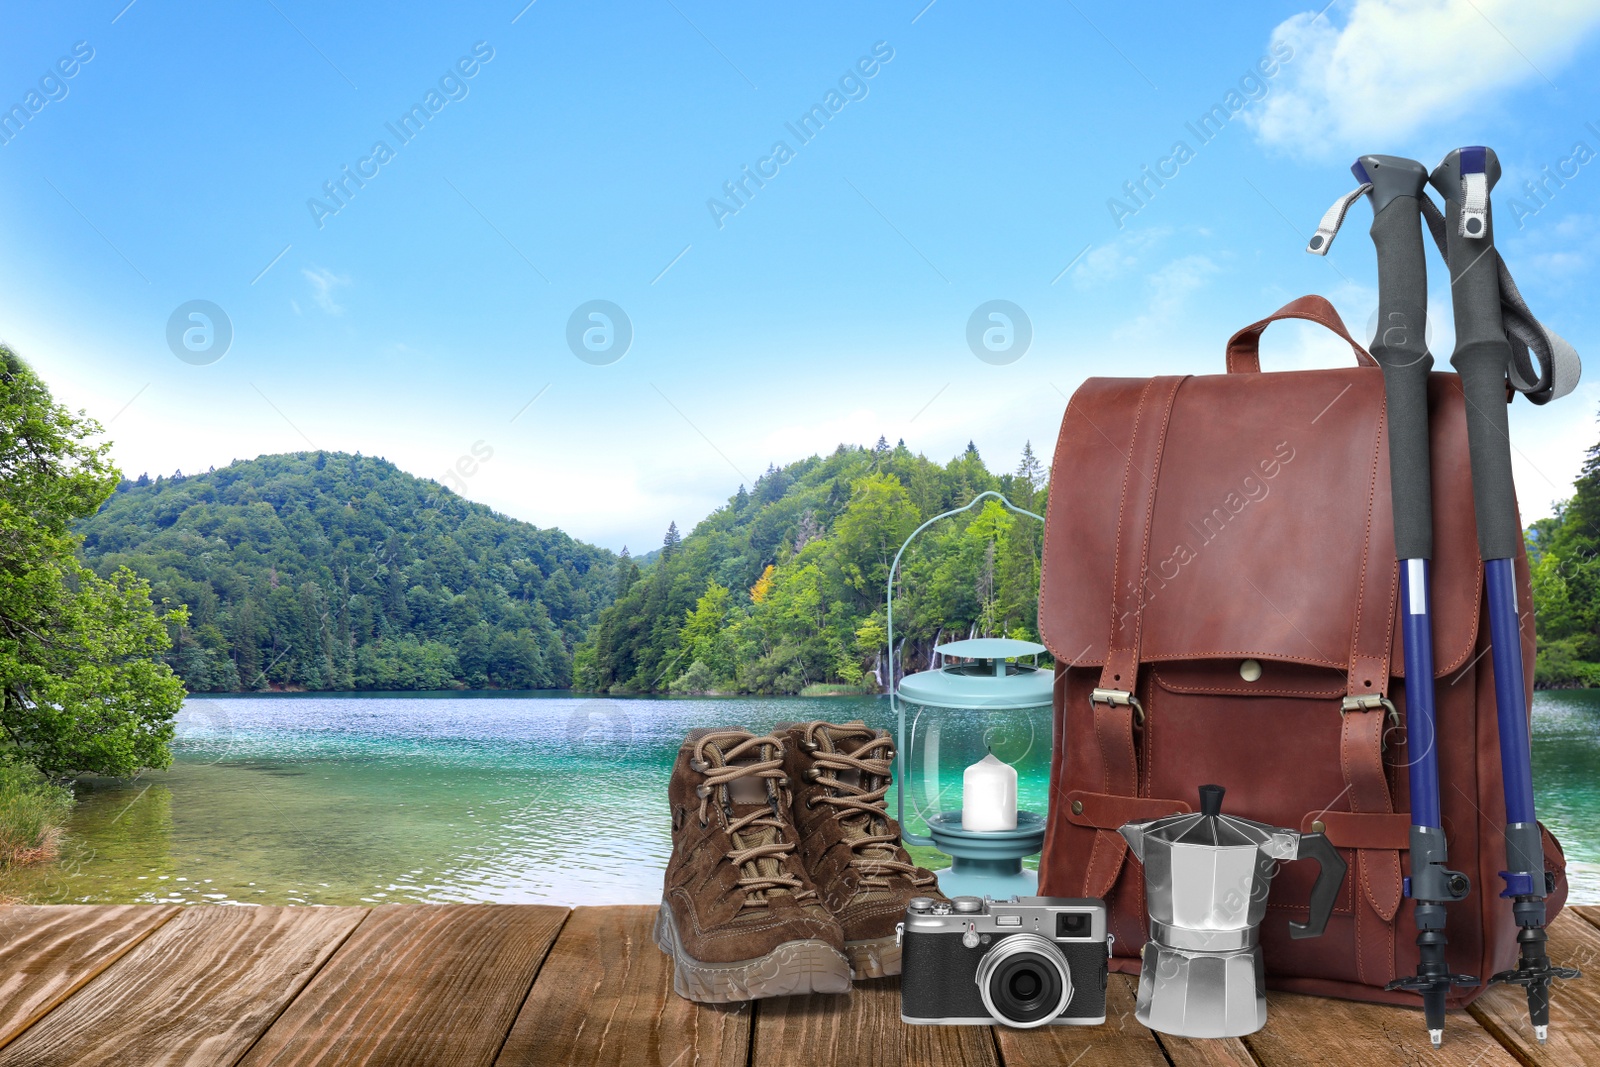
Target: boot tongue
(748, 794)
(751, 789)
(851, 777)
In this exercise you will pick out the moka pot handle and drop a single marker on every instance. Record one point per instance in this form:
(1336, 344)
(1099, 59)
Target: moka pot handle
(1326, 892)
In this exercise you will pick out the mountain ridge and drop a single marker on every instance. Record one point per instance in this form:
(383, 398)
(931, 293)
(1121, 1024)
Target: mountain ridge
(782, 588)
(328, 570)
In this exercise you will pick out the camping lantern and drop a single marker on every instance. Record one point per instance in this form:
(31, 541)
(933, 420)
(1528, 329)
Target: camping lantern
(964, 728)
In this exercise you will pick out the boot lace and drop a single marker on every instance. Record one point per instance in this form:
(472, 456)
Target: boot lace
(875, 852)
(755, 882)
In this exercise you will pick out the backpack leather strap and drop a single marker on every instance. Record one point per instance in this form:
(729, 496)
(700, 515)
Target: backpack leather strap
(1115, 704)
(1368, 714)
(1377, 596)
(1137, 508)
(1377, 871)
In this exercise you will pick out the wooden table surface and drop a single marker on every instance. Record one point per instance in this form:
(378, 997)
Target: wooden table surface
(494, 984)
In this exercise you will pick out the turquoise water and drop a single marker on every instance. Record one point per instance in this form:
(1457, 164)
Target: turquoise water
(344, 799)
(1566, 775)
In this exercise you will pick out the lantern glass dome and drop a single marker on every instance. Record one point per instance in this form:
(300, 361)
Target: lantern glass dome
(980, 700)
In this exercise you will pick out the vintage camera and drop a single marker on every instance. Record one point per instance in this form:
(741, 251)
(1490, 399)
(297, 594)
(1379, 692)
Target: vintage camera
(1023, 962)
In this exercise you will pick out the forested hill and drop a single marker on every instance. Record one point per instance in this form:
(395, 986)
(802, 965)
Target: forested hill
(321, 570)
(783, 587)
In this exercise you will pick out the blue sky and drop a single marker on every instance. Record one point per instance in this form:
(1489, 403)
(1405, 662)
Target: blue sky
(574, 153)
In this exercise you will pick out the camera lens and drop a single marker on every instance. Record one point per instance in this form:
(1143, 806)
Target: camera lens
(1024, 981)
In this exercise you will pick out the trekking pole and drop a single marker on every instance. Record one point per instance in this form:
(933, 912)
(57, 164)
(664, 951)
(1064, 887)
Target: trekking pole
(1395, 188)
(1484, 359)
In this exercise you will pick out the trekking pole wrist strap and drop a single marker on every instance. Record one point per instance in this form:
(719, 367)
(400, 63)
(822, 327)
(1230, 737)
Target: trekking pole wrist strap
(1544, 365)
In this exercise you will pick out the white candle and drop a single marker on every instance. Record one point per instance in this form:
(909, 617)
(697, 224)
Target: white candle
(989, 795)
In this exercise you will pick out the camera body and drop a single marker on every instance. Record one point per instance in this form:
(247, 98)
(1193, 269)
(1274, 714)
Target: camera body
(1021, 962)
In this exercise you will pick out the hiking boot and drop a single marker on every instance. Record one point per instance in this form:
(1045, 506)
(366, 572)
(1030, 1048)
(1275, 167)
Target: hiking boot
(738, 916)
(850, 847)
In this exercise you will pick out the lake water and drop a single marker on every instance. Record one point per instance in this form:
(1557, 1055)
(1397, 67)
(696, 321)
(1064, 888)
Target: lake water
(550, 798)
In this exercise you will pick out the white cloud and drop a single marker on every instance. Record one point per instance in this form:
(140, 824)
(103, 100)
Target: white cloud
(1167, 290)
(1173, 283)
(323, 283)
(1120, 256)
(1398, 65)
(1554, 256)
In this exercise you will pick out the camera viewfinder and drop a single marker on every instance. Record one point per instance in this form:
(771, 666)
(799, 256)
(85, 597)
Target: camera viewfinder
(1072, 924)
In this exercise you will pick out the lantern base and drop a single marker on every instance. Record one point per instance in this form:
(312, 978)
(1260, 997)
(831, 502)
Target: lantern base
(987, 862)
(960, 879)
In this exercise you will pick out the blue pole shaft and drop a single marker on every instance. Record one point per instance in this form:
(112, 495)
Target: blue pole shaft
(1505, 631)
(1421, 721)
(1482, 358)
(1396, 190)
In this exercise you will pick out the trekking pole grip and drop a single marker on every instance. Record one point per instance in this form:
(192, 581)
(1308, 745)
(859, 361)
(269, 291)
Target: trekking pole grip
(1401, 343)
(1482, 355)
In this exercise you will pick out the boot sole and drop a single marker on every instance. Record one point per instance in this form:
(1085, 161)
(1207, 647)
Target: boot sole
(877, 958)
(794, 967)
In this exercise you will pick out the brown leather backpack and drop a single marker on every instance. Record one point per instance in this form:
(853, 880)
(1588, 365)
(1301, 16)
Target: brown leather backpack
(1220, 547)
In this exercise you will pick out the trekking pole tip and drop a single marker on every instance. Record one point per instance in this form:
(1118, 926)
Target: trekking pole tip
(1542, 1033)
(1437, 1037)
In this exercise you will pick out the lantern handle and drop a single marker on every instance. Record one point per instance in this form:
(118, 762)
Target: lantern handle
(895, 706)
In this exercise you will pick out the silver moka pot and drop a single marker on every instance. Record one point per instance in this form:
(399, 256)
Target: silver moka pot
(1206, 878)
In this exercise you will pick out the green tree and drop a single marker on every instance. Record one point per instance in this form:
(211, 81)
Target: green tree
(83, 688)
(803, 560)
(1029, 478)
(1564, 554)
(700, 636)
(876, 523)
(296, 563)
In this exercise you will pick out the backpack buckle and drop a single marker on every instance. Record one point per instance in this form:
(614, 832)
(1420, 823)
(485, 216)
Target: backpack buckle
(1119, 697)
(1372, 702)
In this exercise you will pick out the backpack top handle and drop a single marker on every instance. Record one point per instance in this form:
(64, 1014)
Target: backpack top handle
(1244, 347)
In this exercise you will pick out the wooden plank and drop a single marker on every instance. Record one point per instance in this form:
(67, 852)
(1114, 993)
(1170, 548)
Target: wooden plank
(1215, 1052)
(1590, 912)
(604, 997)
(1319, 1030)
(49, 952)
(416, 984)
(1574, 1005)
(1122, 1040)
(862, 1027)
(199, 990)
